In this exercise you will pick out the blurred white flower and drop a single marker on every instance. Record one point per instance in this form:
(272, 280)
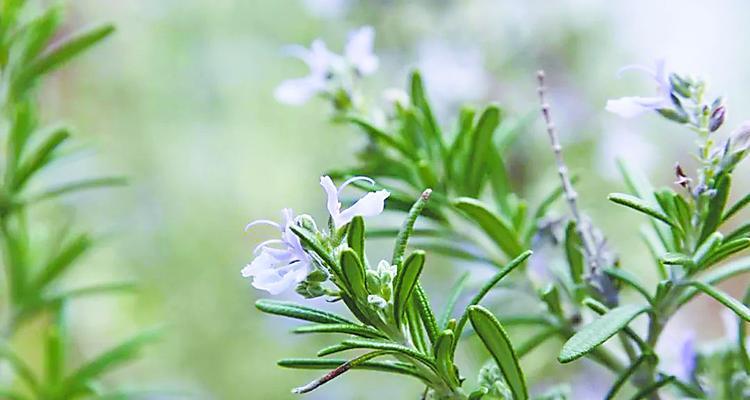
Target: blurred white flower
(276, 269)
(359, 50)
(320, 60)
(452, 74)
(370, 205)
(325, 66)
(631, 106)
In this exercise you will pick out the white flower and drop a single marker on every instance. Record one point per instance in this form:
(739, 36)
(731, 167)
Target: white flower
(324, 65)
(370, 205)
(631, 106)
(320, 60)
(276, 269)
(358, 52)
(386, 270)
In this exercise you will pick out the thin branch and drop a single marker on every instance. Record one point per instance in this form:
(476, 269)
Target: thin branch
(582, 226)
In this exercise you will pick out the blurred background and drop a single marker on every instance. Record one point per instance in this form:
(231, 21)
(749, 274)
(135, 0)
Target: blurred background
(180, 100)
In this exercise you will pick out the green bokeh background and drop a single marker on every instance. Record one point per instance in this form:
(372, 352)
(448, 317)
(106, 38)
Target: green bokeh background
(180, 101)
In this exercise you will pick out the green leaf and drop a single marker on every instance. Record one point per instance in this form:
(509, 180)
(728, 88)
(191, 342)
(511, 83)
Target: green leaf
(640, 205)
(574, 253)
(76, 186)
(453, 297)
(56, 345)
(310, 242)
(536, 340)
(730, 302)
(597, 332)
(395, 367)
(481, 144)
(422, 305)
(353, 273)
(488, 286)
(742, 232)
(405, 282)
(407, 227)
(737, 207)
(646, 392)
(39, 157)
(382, 137)
(62, 52)
(629, 279)
(498, 343)
(716, 207)
(443, 351)
(107, 361)
(349, 329)
(498, 229)
(390, 347)
(676, 259)
(710, 244)
(292, 310)
(63, 260)
(727, 249)
(625, 375)
(431, 128)
(38, 32)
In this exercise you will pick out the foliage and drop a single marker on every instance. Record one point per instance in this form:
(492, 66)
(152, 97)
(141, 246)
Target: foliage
(409, 151)
(31, 47)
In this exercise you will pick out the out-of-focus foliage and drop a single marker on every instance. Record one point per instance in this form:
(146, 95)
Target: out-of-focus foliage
(181, 102)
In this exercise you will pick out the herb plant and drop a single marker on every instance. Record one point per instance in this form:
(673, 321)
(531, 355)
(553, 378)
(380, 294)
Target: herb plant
(453, 178)
(37, 252)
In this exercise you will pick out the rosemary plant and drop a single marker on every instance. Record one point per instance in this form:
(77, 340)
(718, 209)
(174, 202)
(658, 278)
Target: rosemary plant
(36, 253)
(408, 151)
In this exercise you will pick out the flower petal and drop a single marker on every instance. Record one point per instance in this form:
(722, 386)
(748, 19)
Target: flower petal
(297, 91)
(359, 50)
(332, 194)
(370, 205)
(628, 107)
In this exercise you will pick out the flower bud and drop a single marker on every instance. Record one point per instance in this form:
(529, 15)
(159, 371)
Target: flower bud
(310, 290)
(307, 222)
(717, 118)
(377, 301)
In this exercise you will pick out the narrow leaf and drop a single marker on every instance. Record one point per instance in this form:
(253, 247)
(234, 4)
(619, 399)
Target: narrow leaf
(730, 302)
(353, 273)
(499, 230)
(640, 205)
(292, 310)
(402, 240)
(405, 282)
(497, 342)
(597, 332)
(574, 252)
(356, 330)
(716, 207)
(395, 367)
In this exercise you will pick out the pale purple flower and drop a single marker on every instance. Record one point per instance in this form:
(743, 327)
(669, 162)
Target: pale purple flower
(325, 65)
(631, 106)
(370, 205)
(276, 269)
(688, 358)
